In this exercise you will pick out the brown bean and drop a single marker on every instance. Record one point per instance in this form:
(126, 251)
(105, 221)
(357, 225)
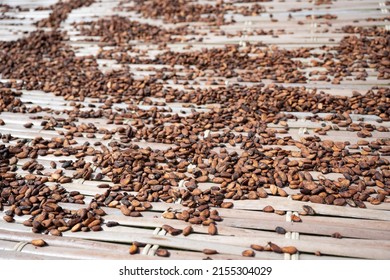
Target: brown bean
(257, 247)
(227, 205)
(8, 219)
(248, 253)
(162, 253)
(168, 215)
(212, 229)
(38, 242)
(268, 209)
(187, 230)
(289, 250)
(209, 251)
(133, 249)
(275, 248)
(112, 224)
(308, 210)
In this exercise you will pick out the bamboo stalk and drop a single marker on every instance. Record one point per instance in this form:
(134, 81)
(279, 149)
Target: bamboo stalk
(7, 255)
(342, 221)
(281, 203)
(62, 241)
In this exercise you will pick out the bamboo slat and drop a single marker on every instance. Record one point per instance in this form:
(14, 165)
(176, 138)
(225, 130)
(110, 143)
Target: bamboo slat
(321, 209)
(365, 232)
(6, 255)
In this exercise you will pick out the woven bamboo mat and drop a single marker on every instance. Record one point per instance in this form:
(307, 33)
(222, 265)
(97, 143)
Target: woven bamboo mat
(365, 232)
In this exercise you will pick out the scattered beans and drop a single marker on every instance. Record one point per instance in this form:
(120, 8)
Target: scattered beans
(204, 144)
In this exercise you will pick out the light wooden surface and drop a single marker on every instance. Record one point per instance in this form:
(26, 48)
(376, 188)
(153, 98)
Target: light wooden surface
(365, 232)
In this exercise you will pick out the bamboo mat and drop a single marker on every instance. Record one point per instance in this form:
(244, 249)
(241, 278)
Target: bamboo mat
(365, 232)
